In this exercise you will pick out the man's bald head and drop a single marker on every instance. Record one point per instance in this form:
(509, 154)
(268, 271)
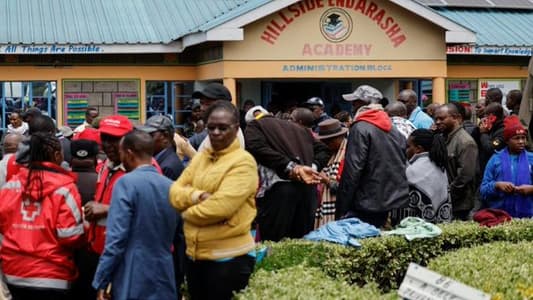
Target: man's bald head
(396, 109)
(410, 99)
(11, 142)
(139, 143)
(430, 109)
(303, 116)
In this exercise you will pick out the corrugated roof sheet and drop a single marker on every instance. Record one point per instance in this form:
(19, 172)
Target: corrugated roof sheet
(495, 27)
(113, 21)
(525, 4)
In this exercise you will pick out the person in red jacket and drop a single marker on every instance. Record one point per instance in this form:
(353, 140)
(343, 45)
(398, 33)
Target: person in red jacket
(112, 129)
(41, 221)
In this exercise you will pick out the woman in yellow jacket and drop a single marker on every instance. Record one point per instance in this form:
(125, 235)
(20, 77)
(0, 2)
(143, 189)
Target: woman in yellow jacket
(216, 197)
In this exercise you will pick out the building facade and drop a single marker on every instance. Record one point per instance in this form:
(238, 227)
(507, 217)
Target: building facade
(144, 58)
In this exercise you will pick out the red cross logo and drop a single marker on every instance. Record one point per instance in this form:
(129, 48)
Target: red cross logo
(30, 210)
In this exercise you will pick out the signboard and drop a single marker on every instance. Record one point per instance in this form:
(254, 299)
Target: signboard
(485, 50)
(504, 85)
(459, 92)
(75, 105)
(44, 49)
(127, 104)
(339, 30)
(420, 283)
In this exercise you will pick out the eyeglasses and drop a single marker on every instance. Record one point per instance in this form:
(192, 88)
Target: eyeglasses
(220, 127)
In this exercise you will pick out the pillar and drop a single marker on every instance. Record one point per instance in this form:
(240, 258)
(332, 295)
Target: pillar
(231, 84)
(439, 90)
(59, 103)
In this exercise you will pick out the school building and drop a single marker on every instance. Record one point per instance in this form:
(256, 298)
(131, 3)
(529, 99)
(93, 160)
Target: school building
(141, 58)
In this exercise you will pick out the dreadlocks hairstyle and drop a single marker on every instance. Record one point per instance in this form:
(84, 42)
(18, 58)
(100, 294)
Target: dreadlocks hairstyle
(433, 143)
(43, 147)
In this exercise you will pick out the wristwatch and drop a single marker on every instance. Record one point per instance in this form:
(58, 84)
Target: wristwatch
(290, 167)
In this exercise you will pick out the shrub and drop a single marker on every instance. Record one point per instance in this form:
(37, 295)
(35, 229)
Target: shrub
(502, 269)
(384, 260)
(300, 282)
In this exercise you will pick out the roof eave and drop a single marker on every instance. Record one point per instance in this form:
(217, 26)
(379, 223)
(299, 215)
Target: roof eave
(219, 34)
(232, 30)
(460, 37)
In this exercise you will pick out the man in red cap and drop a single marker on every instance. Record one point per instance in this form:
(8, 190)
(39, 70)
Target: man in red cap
(507, 183)
(112, 129)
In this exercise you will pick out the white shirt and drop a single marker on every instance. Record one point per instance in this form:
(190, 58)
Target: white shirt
(22, 129)
(82, 127)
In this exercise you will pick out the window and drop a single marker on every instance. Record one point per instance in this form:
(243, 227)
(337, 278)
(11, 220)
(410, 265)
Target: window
(172, 99)
(19, 96)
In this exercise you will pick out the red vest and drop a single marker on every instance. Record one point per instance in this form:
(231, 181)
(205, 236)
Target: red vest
(104, 188)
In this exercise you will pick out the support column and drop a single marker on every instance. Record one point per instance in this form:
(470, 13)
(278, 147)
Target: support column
(231, 84)
(439, 90)
(59, 103)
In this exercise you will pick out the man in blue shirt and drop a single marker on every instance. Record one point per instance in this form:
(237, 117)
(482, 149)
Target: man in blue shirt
(137, 257)
(162, 131)
(419, 118)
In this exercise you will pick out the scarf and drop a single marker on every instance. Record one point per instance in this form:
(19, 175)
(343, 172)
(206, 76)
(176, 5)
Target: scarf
(327, 193)
(516, 205)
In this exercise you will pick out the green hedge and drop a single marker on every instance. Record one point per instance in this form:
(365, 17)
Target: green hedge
(502, 269)
(300, 282)
(384, 260)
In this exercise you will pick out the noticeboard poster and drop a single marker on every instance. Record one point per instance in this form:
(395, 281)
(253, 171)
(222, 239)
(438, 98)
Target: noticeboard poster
(459, 92)
(504, 85)
(75, 105)
(127, 104)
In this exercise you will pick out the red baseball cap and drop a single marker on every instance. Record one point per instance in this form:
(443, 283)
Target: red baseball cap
(90, 134)
(117, 126)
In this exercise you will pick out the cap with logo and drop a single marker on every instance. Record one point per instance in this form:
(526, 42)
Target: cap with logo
(157, 123)
(364, 93)
(213, 90)
(82, 149)
(116, 125)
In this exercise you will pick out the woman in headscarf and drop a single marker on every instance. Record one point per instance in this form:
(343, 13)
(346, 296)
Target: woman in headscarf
(333, 134)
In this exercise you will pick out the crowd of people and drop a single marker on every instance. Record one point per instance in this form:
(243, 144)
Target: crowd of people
(113, 210)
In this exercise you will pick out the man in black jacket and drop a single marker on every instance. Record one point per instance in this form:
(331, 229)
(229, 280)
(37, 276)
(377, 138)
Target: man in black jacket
(489, 134)
(373, 181)
(289, 159)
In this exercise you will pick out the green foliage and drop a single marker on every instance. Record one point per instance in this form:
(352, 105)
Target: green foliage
(502, 269)
(384, 260)
(300, 282)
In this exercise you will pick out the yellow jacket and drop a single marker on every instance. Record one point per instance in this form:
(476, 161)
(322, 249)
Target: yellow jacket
(218, 227)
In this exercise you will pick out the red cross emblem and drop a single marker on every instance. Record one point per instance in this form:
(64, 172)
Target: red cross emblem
(30, 210)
